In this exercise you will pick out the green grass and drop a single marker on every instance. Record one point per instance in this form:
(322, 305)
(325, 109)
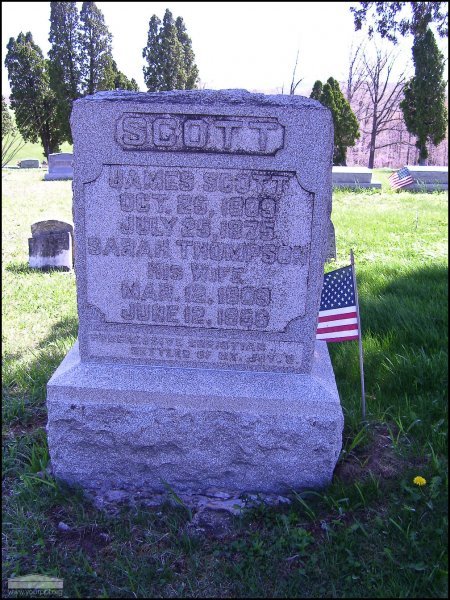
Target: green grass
(371, 533)
(30, 150)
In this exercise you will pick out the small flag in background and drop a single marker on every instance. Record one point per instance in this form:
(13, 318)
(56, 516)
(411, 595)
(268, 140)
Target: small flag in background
(400, 178)
(338, 317)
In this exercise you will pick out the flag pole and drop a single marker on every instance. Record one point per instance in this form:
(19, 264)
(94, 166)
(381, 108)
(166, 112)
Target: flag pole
(361, 361)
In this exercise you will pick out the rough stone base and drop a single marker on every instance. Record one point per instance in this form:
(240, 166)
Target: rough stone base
(133, 429)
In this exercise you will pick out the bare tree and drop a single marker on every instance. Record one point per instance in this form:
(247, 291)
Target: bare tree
(294, 84)
(356, 77)
(382, 114)
(13, 141)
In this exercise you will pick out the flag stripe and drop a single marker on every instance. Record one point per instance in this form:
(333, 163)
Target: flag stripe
(336, 317)
(339, 339)
(337, 311)
(338, 328)
(332, 334)
(401, 184)
(344, 324)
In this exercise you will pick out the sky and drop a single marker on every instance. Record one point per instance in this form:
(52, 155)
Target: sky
(244, 45)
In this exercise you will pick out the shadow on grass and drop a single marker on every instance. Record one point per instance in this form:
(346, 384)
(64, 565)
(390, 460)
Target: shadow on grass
(24, 381)
(22, 268)
(404, 325)
(358, 189)
(422, 190)
(66, 328)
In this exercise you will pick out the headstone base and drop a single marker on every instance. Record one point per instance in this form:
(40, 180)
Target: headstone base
(426, 187)
(373, 185)
(57, 177)
(139, 428)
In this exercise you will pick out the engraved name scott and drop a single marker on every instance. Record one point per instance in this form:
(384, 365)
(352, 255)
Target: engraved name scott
(200, 133)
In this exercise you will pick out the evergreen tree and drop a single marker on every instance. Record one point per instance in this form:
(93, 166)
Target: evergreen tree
(173, 74)
(31, 98)
(113, 79)
(95, 48)
(423, 105)
(190, 67)
(346, 128)
(151, 53)
(169, 56)
(121, 82)
(64, 55)
(317, 90)
(7, 121)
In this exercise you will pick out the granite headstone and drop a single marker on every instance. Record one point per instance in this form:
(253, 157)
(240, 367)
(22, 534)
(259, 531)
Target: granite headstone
(60, 166)
(201, 224)
(354, 178)
(29, 163)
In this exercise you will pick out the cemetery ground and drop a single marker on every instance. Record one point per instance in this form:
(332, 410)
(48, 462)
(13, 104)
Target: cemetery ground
(372, 533)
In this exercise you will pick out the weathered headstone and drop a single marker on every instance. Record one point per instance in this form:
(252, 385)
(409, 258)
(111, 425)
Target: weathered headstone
(354, 178)
(29, 163)
(201, 224)
(50, 245)
(51, 226)
(60, 166)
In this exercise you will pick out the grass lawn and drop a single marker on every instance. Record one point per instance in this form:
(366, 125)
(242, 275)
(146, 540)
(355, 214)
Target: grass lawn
(371, 533)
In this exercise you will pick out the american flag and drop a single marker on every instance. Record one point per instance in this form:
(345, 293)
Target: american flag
(400, 178)
(338, 318)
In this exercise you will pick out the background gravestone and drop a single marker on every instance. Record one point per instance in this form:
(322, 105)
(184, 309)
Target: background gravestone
(428, 178)
(201, 222)
(50, 246)
(29, 163)
(354, 178)
(60, 166)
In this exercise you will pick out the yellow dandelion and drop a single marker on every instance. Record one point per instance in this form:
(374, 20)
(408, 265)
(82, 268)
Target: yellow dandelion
(419, 480)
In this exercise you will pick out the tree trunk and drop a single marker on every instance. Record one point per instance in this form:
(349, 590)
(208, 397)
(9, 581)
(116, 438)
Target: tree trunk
(373, 136)
(339, 157)
(409, 147)
(371, 153)
(423, 153)
(45, 141)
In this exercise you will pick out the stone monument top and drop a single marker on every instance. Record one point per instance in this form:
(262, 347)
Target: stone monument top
(200, 227)
(202, 223)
